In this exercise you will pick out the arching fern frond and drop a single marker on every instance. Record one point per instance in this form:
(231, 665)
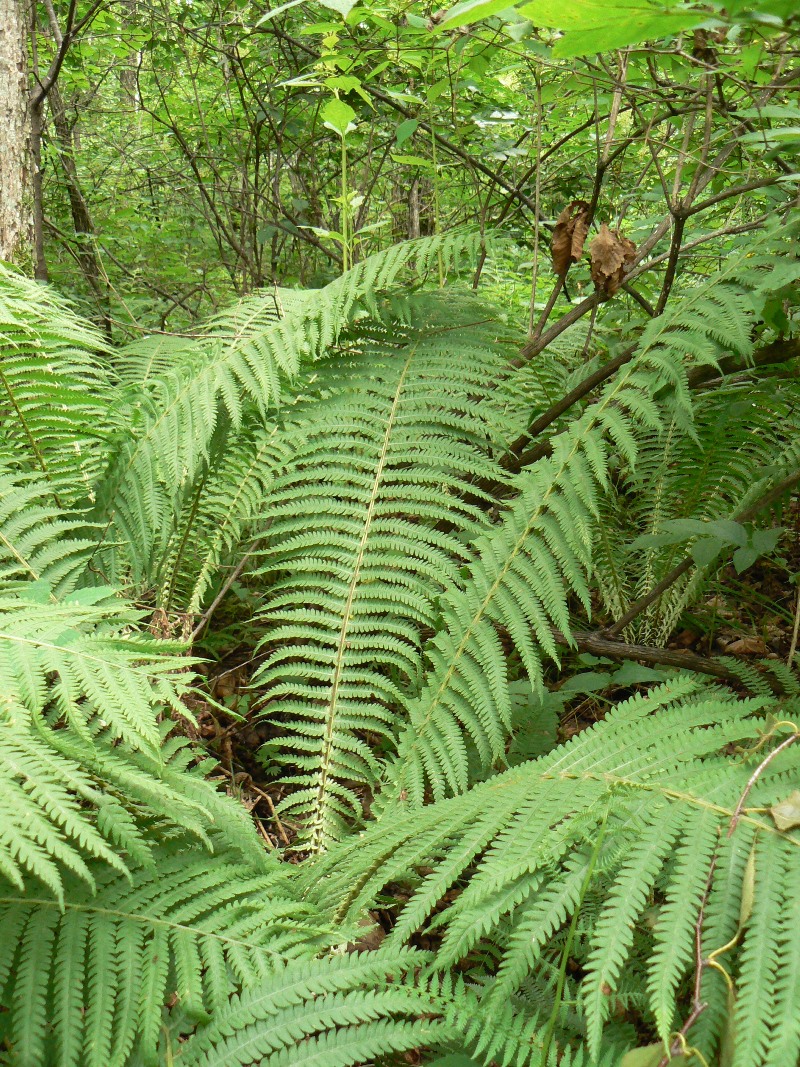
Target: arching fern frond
(87, 766)
(351, 1010)
(645, 805)
(540, 554)
(54, 388)
(87, 979)
(227, 506)
(39, 542)
(166, 429)
(367, 526)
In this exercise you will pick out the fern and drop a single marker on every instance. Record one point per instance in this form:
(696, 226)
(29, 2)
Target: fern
(345, 452)
(54, 388)
(87, 763)
(652, 775)
(167, 429)
(87, 979)
(40, 541)
(541, 553)
(368, 525)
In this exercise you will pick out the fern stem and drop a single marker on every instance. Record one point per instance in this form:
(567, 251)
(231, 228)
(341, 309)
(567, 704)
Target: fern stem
(562, 970)
(31, 440)
(317, 841)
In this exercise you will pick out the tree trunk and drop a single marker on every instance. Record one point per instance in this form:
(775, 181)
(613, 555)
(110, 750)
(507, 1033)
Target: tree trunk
(16, 196)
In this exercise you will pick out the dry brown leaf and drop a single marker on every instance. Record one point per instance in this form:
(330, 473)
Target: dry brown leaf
(611, 256)
(747, 646)
(572, 226)
(786, 814)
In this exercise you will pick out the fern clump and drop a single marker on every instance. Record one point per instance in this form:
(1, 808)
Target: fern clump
(398, 521)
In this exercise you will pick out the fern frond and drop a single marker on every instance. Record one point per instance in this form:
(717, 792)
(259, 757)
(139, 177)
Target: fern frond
(541, 552)
(54, 388)
(227, 506)
(86, 766)
(655, 776)
(367, 526)
(87, 978)
(166, 429)
(39, 541)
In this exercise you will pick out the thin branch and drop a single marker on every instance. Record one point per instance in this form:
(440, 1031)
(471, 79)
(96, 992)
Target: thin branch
(744, 515)
(600, 645)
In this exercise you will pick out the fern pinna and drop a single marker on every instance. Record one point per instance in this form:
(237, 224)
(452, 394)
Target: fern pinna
(354, 463)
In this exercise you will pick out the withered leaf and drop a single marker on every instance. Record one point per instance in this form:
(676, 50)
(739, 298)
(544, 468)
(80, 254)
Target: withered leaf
(572, 226)
(786, 814)
(611, 256)
(747, 646)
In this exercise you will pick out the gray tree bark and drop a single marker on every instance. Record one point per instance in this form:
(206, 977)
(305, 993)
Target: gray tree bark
(16, 177)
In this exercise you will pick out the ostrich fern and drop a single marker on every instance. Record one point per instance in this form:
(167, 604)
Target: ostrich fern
(351, 454)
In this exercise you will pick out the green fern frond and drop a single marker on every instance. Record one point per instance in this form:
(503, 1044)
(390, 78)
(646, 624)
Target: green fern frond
(655, 775)
(39, 541)
(70, 660)
(166, 429)
(53, 388)
(541, 553)
(87, 979)
(87, 766)
(343, 1011)
(227, 506)
(367, 526)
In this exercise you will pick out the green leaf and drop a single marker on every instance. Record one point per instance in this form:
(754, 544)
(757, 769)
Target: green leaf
(744, 558)
(346, 83)
(733, 533)
(405, 130)
(470, 11)
(338, 116)
(632, 673)
(706, 550)
(594, 26)
(644, 1056)
(412, 161)
(764, 541)
(344, 7)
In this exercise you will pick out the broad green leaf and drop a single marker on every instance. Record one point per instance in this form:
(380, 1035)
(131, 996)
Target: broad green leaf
(346, 83)
(594, 26)
(744, 558)
(405, 130)
(344, 7)
(338, 116)
(648, 1056)
(411, 161)
(470, 11)
(707, 549)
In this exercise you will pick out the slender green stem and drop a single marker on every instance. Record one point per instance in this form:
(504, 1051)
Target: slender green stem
(345, 211)
(562, 971)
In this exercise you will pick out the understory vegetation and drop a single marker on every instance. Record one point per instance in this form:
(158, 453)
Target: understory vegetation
(399, 540)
